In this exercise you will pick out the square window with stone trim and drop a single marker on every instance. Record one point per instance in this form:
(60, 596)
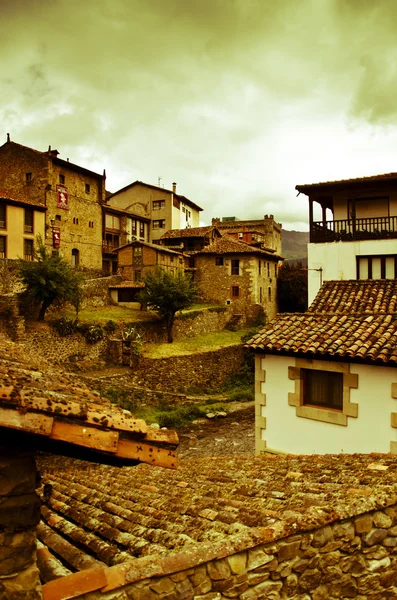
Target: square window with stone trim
(323, 389)
(159, 224)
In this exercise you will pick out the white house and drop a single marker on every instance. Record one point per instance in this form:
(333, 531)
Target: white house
(326, 380)
(353, 229)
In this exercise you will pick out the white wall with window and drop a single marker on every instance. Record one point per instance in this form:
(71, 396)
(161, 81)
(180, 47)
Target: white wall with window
(338, 260)
(279, 428)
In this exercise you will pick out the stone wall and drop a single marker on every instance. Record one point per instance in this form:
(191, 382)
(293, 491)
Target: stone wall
(204, 369)
(352, 558)
(96, 291)
(10, 321)
(19, 515)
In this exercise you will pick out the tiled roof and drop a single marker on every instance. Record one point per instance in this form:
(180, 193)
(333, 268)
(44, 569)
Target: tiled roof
(354, 320)
(149, 245)
(307, 187)
(131, 524)
(229, 245)
(11, 197)
(128, 285)
(188, 232)
(57, 410)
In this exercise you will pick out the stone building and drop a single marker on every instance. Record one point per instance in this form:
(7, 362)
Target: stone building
(165, 208)
(231, 272)
(267, 229)
(71, 195)
(21, 221)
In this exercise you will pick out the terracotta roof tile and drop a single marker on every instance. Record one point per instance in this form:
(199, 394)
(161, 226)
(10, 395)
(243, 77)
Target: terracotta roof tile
(229, 245)
(161, 519)
(13, 199)
(188, 232)
(355, 320)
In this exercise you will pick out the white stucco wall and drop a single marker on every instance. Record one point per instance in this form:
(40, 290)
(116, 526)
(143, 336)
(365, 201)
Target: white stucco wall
(338, 260)
(371, 431)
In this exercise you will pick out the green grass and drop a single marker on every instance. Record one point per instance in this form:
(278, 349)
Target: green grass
(199, 343)
(108, 313)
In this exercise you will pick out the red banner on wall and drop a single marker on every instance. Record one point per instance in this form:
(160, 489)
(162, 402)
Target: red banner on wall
(56, 237)
(63, 197)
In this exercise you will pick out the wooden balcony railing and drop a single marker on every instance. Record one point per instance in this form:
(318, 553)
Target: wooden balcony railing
(345, 230)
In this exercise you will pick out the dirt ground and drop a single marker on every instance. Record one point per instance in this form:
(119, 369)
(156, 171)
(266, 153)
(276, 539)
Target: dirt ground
(233, 435)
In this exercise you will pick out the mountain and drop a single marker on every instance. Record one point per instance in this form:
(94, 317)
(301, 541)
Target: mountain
(295, 245)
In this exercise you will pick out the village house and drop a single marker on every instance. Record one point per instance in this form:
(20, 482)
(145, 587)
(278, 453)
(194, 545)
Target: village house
(353, 228)
(326, 380)
(134, 261)
(20, 222)
(165, 208)
(234, 273)
(265, 231)
(70, 195)
(119, 228)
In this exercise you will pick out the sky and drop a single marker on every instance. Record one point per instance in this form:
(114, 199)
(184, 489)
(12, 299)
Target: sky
(235, 100)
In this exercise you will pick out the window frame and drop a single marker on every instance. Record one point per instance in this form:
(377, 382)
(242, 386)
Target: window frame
(28, 223)
(28, 256)
(235, 291)
(3, 241)
(3, 222)
(319, 413)
(158, 204)
(219, 262)
(235, 268)
(158, 224)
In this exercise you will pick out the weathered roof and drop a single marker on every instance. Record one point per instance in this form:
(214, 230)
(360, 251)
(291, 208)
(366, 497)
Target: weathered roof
(53, 411)
(13, 199)
(158, 247)
(188, 232)
(229, 245)
(386, 177)
(127, 285)
(131, 524)
(123, 211)
(351, 320)
(156, 187)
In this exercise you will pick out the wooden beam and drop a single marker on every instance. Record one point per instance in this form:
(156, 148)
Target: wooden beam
(84, 435)
(147, 453)
(29, 422)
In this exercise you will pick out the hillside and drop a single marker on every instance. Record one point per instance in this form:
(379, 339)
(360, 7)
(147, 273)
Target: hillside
(295, 245)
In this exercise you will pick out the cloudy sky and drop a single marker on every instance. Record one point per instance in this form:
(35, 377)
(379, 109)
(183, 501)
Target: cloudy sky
(235, 100)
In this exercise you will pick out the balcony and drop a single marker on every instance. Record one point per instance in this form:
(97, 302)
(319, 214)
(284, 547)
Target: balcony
(347, 230)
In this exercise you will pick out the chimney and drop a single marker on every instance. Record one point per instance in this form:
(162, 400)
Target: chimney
(174, 187)
(8, 138)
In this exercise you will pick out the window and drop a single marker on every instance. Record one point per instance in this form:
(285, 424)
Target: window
(137, 275)
(322, 391)
(137, 255)
(28, 228)
(76, 220)
(158, 204)
(75, 257)
(275, 269)
(58, 218)
(141, 229)
(219, 261)
(268, 269)
(322, 388)
(260, 267)
(3, 253)
(28, 177)
(87, 188)
(28, 249)
(127, 295)
(3, 216)
(61, 178)
(235, 291)
(240, 234)
(269, 292)
(159, 224)
(112, 222)
(183, 209)
(260, 295)
(91, 224)
(376, 266)
(133, 226)
(235, 267)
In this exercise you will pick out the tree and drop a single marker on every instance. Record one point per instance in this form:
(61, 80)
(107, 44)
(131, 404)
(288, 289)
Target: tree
(292, 288)
(48, 279)
(167, 293)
